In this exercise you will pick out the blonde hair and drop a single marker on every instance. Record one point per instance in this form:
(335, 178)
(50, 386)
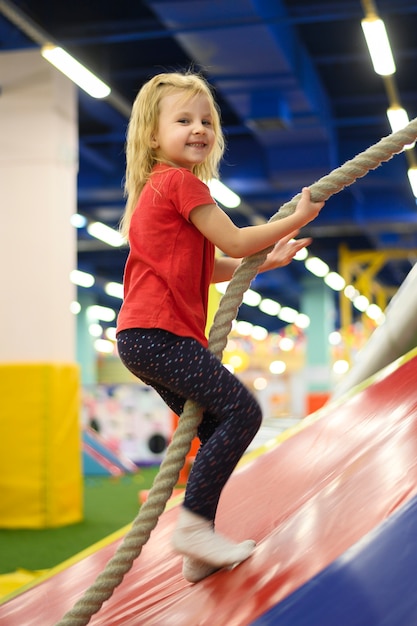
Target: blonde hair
(143, 124)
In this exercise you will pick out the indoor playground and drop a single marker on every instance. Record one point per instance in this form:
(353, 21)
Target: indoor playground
(328, 488)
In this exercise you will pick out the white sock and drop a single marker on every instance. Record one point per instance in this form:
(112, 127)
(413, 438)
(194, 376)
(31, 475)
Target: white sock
(194, 570)
(194, 536)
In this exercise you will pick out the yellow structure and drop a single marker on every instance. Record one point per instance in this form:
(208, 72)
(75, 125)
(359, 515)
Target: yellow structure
(40, 445)
(359, 268)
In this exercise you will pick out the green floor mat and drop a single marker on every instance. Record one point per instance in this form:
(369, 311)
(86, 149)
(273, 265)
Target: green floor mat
(109, 504)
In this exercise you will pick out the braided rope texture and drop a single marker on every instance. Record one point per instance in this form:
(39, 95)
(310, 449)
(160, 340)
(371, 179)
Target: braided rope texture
(167, 477)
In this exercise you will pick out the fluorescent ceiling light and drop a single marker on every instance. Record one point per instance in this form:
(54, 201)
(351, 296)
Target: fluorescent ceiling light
(277, 367)
(110, 333)
(260, 383)
(223, 194)
(243, 328)
(361, 303)
(259, 333)
(316, 266)
(335, 281)
(75, 307)
(103, 313)
(251, 298)
(301, 255)
(114, 289)
(95, 330)
(106, 234)
(379, 320)
(78, 221)
(335, 338)
(104, 345)
(412, 177)
(398, 119)
(82, 279)
(378, 44)
(302, 320)
(350, 292)
(374, 312)
(270, 307)
(79, 74)
(341, 366)
(286, 344)
(287, 314)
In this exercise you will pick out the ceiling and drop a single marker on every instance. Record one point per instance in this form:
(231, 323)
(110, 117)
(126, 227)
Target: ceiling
(298, 97)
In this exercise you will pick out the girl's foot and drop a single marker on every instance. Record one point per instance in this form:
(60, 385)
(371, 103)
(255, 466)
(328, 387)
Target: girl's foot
(194, 536)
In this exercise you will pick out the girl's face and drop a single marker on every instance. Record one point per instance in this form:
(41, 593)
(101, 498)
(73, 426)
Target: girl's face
(185, 135)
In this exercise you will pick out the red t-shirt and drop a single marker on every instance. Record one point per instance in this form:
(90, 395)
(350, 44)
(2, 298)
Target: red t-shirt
(170, 263)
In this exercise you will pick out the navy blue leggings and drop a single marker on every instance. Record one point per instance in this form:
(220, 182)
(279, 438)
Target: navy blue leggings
(180, 368)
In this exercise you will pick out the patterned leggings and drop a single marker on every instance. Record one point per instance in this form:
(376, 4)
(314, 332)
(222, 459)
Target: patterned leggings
(180, 368)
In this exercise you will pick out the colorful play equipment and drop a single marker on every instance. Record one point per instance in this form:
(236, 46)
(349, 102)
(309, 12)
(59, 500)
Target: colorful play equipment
(100, 460)
(318, 496)
(389, 341)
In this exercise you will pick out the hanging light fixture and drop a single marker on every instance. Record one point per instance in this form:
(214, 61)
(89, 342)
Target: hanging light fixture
(378, 44)
(72, 68)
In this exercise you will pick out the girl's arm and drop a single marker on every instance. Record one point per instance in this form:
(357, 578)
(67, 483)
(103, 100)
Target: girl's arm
(237, 242)
(282, 254)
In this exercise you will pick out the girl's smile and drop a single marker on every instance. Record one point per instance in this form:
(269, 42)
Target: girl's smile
(185, 135)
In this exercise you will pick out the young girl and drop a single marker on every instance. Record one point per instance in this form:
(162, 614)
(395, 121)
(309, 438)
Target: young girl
(173, 225)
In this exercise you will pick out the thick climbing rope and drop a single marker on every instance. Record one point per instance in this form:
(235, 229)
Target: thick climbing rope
(167, 477)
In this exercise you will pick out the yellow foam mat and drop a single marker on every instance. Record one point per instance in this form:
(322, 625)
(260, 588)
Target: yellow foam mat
(10, 582)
